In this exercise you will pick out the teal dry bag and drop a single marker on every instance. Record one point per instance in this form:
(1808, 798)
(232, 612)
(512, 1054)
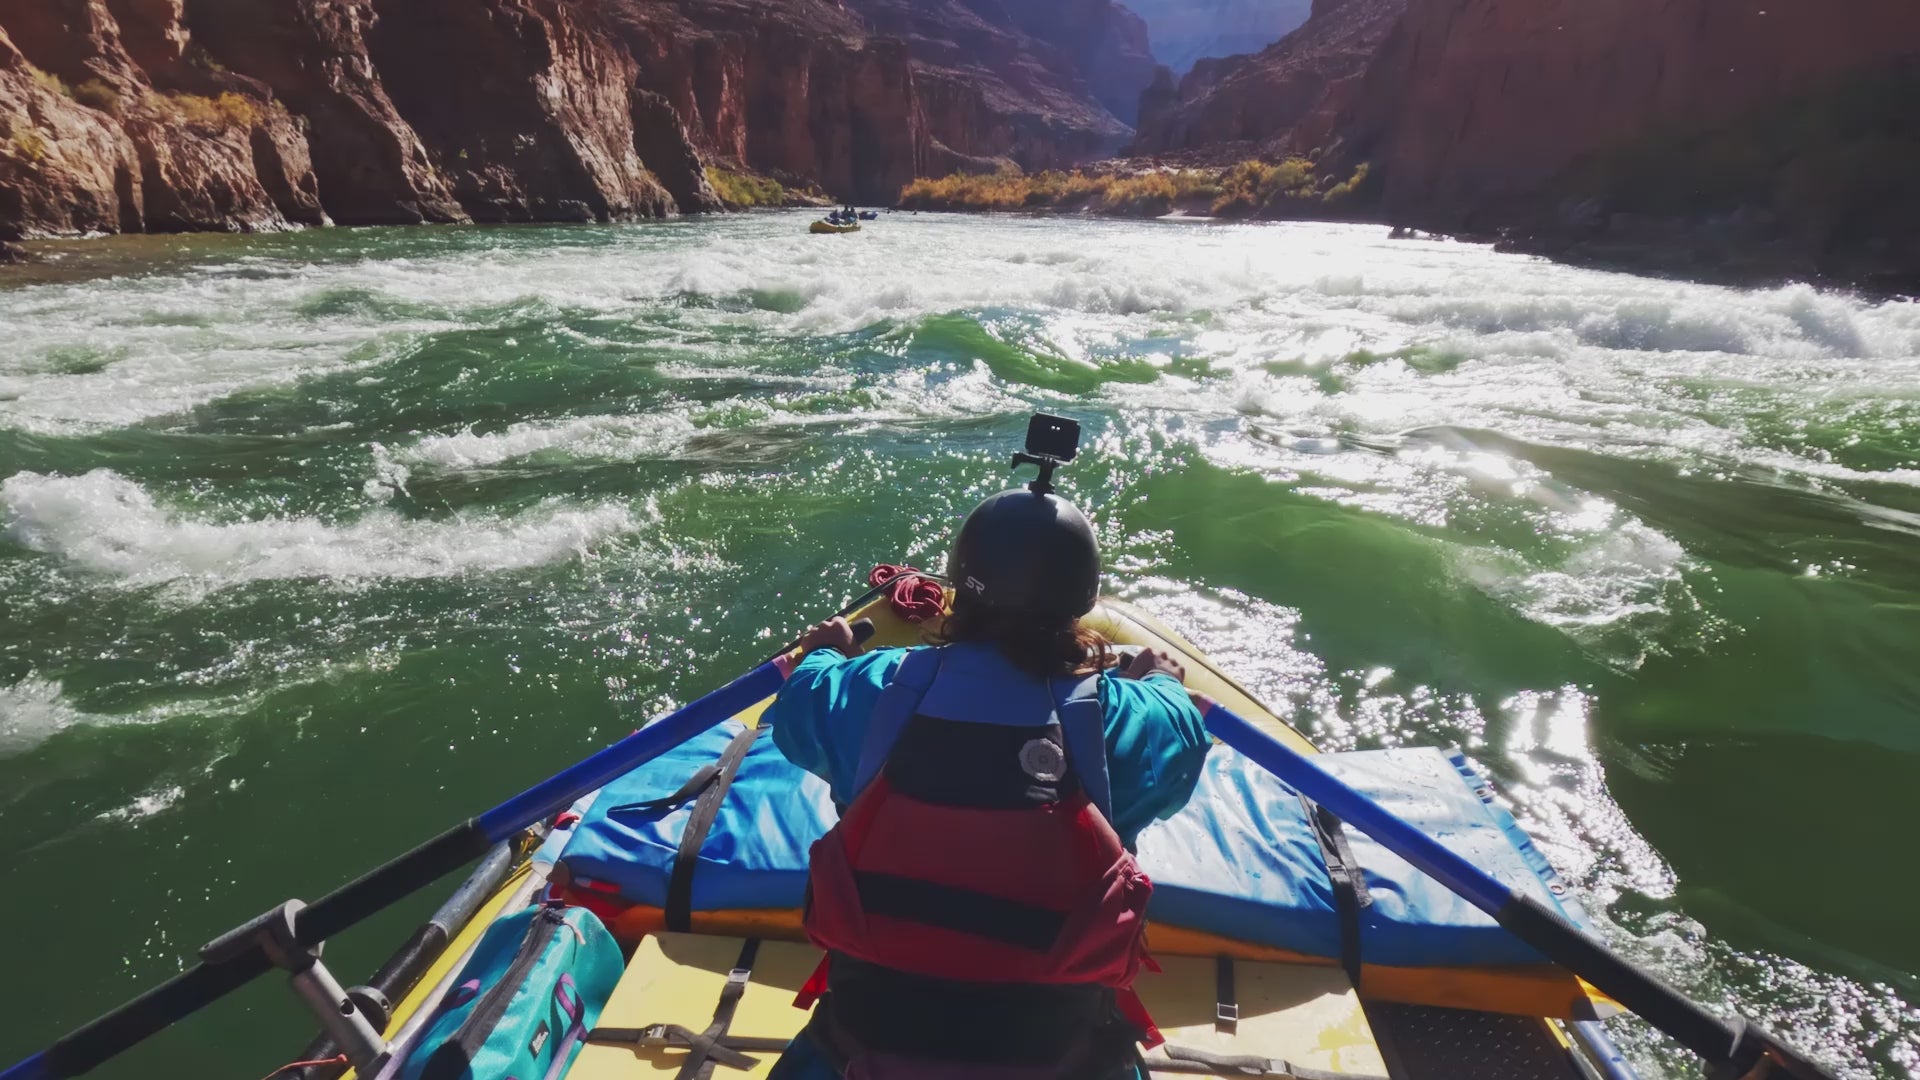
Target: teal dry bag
(521, 1007)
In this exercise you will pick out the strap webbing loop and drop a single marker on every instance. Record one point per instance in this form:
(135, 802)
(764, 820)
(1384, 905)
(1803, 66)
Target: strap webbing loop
(1350, 893)
(679, 907)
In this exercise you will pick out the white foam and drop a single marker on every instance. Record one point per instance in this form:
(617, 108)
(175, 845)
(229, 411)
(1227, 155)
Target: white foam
(31, 712)
(107, 524)
(615, 438)
(146, 805)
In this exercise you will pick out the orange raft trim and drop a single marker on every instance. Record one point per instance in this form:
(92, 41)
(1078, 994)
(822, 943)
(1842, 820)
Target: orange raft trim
(1542, 990)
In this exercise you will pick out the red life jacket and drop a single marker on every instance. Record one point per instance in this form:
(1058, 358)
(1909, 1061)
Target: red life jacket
(1025, 884)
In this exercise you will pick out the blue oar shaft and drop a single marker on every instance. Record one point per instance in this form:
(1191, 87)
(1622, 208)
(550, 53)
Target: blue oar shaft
(550, 796)
(1433, 858)
(88, 1046)
(1533, 922)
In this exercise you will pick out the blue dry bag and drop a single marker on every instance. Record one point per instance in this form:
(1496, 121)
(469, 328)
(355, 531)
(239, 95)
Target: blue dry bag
(521, 1007)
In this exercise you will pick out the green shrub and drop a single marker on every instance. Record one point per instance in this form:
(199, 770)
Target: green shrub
(1346, 189)
(745, 190)
(50, 82)
(29, 145)
(1147, 195)
(229, 110)
(96, 94)
(1256, 187)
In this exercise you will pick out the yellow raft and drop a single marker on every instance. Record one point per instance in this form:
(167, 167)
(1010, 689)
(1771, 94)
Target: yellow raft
(820, 228)
(1300, 1015)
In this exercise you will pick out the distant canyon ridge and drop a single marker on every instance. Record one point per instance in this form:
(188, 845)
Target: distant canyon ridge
(1776, 135)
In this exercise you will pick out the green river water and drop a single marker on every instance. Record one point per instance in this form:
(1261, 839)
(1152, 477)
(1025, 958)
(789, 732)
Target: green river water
(313, 544)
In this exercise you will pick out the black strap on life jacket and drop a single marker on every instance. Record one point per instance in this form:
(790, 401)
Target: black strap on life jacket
(964, 911)
(1350, 893)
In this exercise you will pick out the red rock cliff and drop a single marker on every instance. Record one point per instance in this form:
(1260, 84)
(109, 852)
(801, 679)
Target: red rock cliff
(107, 123)
(798, 89)
(1280, 99)
(371, 166)
(1473, 102)
(256, 114)
(1015, 79)
(160, 115)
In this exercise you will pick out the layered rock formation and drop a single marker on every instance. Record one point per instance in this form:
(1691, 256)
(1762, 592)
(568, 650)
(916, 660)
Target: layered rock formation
(799, 90)
(1106, 43)
(1287, 98)
(1733, 129)
(1003, 79)
(120, 115)
(94, 140)
(1474, 101)
(167, 115)
(1187, 31)
(525, 107)
(371, 167)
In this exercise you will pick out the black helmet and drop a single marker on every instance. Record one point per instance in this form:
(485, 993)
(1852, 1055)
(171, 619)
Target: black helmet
(1027, 551)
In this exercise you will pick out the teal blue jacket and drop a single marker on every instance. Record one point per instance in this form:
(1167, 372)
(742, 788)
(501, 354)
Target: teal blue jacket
(1156, 741)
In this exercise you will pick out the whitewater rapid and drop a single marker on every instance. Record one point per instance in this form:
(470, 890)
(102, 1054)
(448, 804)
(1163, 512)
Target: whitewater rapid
(255, 490)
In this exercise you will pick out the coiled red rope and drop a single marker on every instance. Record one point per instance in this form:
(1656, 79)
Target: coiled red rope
(914, 596)
(337, 1059)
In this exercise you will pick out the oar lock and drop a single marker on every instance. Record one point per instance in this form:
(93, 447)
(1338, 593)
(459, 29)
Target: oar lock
(353, 1018)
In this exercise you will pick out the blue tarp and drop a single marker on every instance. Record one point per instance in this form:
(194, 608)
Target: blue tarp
(1240, 861)
(755, 855)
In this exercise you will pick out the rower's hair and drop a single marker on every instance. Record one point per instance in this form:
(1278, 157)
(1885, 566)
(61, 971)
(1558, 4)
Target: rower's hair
(1036, 644)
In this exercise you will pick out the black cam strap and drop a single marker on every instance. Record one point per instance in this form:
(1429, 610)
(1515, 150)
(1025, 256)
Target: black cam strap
(1226, 1004)
(1350, 893)
(709, 1048)
(695, 784)
(1189, 1061)
(679, 909)
(699, 1063)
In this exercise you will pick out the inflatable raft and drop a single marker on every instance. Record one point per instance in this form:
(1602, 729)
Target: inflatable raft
(1268, 956)
(821, 228)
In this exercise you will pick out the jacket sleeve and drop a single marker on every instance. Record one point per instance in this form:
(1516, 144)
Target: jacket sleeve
(1156, 745)
(820, 716)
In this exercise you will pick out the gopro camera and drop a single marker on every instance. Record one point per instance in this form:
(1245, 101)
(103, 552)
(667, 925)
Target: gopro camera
(1055, 437)
(1052, 441)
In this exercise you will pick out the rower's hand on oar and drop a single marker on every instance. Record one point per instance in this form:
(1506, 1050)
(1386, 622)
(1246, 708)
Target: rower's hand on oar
(835, 633)
(1148, 661)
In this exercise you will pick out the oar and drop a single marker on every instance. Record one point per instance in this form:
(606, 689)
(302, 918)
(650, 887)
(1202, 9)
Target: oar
(1731, 1049)
(208, 981)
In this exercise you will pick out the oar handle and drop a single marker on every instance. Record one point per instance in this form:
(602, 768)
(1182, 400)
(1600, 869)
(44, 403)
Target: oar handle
(1736, 1046)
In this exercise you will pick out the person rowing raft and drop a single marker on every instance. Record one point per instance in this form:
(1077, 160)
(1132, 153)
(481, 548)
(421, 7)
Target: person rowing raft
(979, 902)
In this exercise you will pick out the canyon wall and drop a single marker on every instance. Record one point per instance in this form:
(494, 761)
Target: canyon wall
(1188, 31)
(1009, 79)
(1284, 99)
(107, 125)
(166, 115)
(799, 90)
(172, 115)
(1777, 136)
(1475, 101)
